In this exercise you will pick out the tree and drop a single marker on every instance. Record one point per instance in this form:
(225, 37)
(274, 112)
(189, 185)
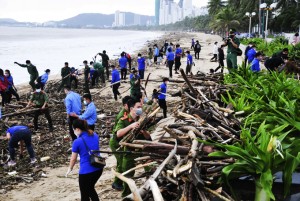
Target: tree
(225, 19)
(214, 6)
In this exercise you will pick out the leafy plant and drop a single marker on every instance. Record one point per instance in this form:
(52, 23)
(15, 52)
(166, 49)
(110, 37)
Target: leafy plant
(261, 156)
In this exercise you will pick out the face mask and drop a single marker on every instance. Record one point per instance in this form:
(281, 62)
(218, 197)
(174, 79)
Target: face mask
(38, 90)
(167, 82)
(85, 103)
(6, 75)
(77, 133)
(145, 100)
(139, 112)
(139, 57)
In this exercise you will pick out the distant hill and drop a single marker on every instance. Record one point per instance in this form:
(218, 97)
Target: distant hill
(8, 20)
(100, 20)
(84, 20)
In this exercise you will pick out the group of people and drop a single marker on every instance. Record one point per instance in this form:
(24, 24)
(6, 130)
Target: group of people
(7, 87)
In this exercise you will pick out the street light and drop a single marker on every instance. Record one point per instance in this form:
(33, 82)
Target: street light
(264, 6)
(250, 15)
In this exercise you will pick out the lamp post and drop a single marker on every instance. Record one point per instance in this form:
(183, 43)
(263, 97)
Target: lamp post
(250, 15)
(268, 8)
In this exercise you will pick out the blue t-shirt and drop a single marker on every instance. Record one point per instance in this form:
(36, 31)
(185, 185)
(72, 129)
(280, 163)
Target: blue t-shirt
(178, 52)
(115, 76)
(141, 63)
(44, 78)
(14, 129)
(251, 54)
(255, 65)
(10, 81)
(92, 141)
(170, 56)
(189, 60)
(123, 62)
(163, 89)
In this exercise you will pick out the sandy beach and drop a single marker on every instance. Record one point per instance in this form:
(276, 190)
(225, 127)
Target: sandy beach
(56, 187)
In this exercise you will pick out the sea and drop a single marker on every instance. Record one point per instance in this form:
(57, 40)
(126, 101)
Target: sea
(50, 48)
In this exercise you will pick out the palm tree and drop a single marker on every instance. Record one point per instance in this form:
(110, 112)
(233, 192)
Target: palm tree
(225, 19)
(214, 6)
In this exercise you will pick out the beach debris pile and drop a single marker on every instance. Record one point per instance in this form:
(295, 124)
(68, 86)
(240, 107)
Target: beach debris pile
(180, 166)
(52, 149)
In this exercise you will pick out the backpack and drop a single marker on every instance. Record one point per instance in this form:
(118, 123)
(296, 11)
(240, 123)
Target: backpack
(198, 46)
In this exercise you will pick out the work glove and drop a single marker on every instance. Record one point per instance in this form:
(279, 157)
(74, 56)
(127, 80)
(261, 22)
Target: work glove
(68, 172)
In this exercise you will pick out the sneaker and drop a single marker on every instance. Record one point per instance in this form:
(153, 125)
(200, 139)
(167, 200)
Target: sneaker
(33, 160)
(117, 187)
(11, 163)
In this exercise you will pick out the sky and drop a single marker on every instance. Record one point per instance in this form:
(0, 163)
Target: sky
(46, 10)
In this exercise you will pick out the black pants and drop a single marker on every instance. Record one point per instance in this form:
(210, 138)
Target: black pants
(188, 69)
(37, 113)
(74, 78)
(221, 65)
(116, 90)
(86, 86)
(64, 82)
(12, 92)
(24, 135)
(163, 105)
(177, 63)
(170, 65)
(197, 54)
(4, 97)
(95, 78)
(123, 73)
(102, 76)
(155, 59)
(192, 47)
(107, 70)
(71, 131)
(215, 57)
(142, 74)
(129, 63)
(87, 185)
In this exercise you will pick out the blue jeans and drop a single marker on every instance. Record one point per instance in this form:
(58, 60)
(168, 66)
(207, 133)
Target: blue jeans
(18, 136)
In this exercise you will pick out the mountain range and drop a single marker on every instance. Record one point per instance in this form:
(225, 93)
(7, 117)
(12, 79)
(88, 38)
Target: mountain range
(90, 20)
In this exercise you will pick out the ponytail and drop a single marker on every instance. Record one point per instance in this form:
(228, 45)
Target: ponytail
(82, 125)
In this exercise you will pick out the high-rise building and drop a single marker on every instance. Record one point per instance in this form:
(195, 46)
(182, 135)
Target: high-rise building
(157, 7)
(137, 19)
(119, 19)
(171, 12)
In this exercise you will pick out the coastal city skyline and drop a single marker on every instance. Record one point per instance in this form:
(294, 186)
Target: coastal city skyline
(34, 11)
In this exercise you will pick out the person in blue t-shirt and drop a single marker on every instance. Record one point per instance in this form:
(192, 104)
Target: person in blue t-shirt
(73, 105)
(90, 113)
(88, 175)
(20, 134)
(42, 80)
(11, 87)
(115, 81)
(251, 54)
(141, 65)
(189, 63)
(162, 96)
(255, 67)
(170, 60)
(123, 66)
(178, 54)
